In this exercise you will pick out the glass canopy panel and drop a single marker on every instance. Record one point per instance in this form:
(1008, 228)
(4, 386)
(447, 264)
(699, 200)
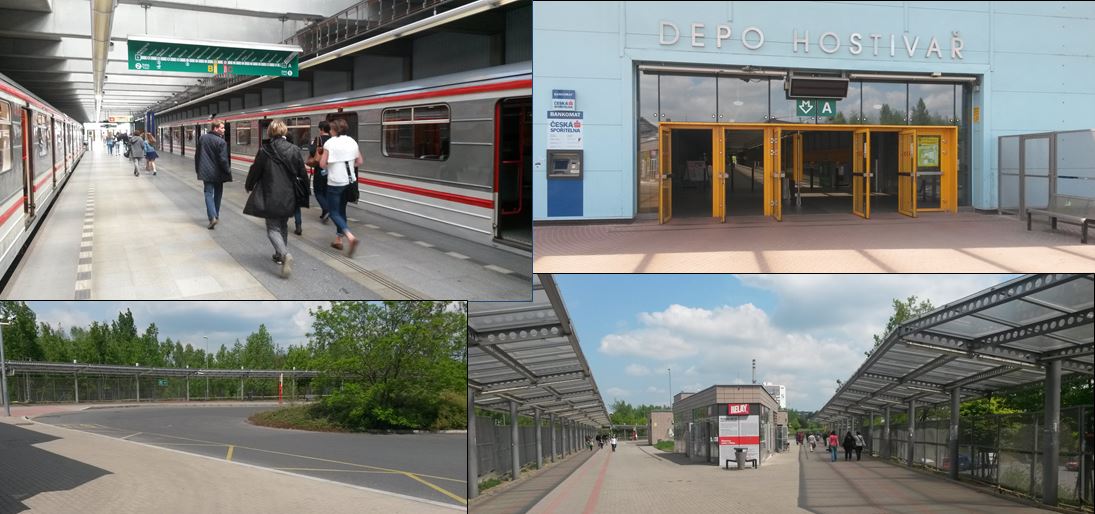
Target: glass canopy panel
(1038, 344)
(1072, 296)
(1020, 312)
(969, 327)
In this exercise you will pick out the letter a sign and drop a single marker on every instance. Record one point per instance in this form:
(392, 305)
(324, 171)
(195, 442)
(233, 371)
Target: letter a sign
(815, 107)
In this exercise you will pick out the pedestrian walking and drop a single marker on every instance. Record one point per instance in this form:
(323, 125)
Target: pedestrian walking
(213, 169)
(613, 443)
(110, 145)
(589, 442)
(319, 175)
(832, 443)
(278, 184)
(859, 444)
(341, 159)
(600, 442)
(150, 154)
(849, 445)
(136, 151)
(813, 442)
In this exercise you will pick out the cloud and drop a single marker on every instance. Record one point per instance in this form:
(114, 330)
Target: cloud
(616, 392)
(637, 370)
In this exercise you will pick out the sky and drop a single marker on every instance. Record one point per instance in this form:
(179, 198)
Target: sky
(805, 331)
(222, 322)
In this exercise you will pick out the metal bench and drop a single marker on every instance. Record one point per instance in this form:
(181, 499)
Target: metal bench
(1074, 211)
(728, 461)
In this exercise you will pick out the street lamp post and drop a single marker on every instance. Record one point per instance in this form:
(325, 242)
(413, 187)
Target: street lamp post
(206, 367)
(4, 374)
(670, 371)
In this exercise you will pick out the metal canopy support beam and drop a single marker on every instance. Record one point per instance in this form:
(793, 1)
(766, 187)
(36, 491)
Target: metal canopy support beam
(952, 436)
(870, 442)
(1051, 439)
(886, 434)
(553, 430)
(912, 433)
(539, 441)
(1049, 326)
(986, 300)
(513, 443)
(473, 450)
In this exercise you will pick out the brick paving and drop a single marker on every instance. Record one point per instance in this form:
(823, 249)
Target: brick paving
(640, 478)
(963, 242)
(45, 469)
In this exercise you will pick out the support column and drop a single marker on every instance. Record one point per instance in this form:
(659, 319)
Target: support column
(138, 378)
(952, 436)
(563, 451)
(76, 386)
(513, 444)
(1051, 433)
(912, 433)
(886, 434)
(188, 388)
(553, 430)
(473, 450)
(539, 440)
(871, 434)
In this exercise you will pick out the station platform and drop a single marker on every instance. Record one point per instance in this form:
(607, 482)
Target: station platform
(111, 235)
(640, 478)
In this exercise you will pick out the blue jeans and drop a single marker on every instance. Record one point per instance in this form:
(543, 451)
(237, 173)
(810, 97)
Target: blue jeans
(296, 216)
(832, 450)
(337, 207)
(213, 191)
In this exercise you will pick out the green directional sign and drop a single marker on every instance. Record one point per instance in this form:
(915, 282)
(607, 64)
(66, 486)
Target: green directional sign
(216, 57)
(163, 382)
(815, 107)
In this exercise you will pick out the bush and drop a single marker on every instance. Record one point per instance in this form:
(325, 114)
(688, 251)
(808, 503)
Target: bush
(359, 407)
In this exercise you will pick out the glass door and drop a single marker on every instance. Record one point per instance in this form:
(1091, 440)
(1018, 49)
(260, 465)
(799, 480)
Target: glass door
(773, 174)
(906, 173)
(718, 174)
(861, 173)
(665, 176)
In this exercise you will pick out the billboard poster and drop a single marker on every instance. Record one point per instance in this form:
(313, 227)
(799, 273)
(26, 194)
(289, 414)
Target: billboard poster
(739, 432)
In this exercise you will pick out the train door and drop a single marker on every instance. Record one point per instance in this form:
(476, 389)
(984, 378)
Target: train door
(227, 138)
(28, 167)
(513, 172)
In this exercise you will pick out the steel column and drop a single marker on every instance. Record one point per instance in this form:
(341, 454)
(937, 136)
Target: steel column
(553, 452)
(513, 444)
(539, 438)
(912, 432)
(1051, 439)
(886, 434)
(870, 441)
(473, 451)
(76, 387)
(952, 436)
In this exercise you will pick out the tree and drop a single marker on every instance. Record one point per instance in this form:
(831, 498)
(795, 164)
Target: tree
(20, 332)
(920, 114)
(902, 311)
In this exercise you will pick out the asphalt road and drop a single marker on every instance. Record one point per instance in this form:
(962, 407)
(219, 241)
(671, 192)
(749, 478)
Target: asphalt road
(427, 466)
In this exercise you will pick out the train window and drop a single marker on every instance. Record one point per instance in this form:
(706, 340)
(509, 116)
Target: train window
(190, 134)
(5, 137)
(243, 134)
(300, 130)
(417, 132)
(41, 135)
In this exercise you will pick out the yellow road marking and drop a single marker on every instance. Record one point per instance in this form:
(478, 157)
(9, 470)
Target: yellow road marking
(230, 448)
(342, 470)
(131, 435)
(438, 489)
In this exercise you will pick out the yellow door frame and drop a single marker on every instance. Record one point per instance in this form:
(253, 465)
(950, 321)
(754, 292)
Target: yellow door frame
(906, 173)
(948, 162)
(861, 173)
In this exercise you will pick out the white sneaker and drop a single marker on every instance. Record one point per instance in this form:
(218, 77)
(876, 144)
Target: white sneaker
(286, 265)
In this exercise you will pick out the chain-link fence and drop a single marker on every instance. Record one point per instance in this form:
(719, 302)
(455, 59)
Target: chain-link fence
(493, 439)
(29, 388)
(1003, 449)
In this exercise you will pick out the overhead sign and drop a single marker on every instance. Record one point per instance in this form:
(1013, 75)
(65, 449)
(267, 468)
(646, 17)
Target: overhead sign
(738, 409)
(563, 99)
(815, 107)
(118, 118)
(216, 57)
(564, 130)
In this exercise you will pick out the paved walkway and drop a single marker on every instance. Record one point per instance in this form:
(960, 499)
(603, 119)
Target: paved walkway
(53, 470)
(816, 243)
(640, 478)
(531, 488)
(111, 235)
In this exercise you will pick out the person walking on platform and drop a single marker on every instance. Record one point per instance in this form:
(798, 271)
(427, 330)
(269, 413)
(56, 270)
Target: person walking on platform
(213, 169)
(341, 157)
(319, 175)
(849, 446)
(832, 443)
(613, 442)
(813, 442)
(136, 152)
(859, 444)
(277, 182)
(110, 145)
(120, 138)
(150, 154)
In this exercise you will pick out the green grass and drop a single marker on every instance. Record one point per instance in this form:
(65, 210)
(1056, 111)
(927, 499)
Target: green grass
(665, 446)
(488, 483)
(300, 417)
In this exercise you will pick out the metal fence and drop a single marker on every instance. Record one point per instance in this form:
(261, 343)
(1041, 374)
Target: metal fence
(28, 388)
(1003, 449)
(493, 442)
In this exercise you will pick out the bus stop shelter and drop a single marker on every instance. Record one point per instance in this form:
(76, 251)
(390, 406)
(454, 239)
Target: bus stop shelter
(1035, 328)
(524, 359)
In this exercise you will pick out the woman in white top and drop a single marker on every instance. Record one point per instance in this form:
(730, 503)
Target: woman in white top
(341, 155)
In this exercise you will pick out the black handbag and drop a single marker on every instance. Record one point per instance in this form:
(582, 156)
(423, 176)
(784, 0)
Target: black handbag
(351, 193)
(300, 188)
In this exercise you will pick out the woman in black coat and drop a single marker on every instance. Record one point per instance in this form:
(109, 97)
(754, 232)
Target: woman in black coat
(274, 181)
(849, 445)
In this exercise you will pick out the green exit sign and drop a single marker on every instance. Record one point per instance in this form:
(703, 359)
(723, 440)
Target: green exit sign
(815, 107)
(216, 57)
(163, 382)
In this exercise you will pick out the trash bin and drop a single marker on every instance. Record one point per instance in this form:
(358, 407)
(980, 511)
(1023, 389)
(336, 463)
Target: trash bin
(739, 454)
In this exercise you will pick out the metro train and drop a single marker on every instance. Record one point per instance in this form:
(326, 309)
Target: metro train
(39, 148)
(452, 153)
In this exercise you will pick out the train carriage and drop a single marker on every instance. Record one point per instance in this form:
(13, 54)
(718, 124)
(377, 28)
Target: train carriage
(39, 149)
(451, 153)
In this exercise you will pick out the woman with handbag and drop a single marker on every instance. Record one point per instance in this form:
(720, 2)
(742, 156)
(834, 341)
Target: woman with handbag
(341, 157)
(279, 186)
(319, 175)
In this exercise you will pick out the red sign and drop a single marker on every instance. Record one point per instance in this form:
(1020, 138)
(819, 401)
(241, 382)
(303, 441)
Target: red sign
(739, 409)
(738, 440)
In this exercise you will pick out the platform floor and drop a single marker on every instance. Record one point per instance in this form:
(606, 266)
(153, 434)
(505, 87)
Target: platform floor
(640, 478)
(111, 235)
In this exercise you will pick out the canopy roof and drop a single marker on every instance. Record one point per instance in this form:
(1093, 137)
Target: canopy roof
(995, 339)
(529, 353)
